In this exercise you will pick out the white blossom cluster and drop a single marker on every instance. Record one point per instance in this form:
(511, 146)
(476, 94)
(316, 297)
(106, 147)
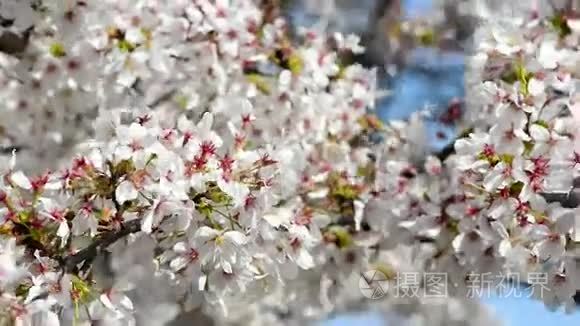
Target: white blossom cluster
(232, 170)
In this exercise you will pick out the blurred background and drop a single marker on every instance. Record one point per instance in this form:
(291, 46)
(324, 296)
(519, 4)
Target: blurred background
(422, 65)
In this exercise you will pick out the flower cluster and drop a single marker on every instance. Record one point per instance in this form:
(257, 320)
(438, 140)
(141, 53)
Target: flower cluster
(231, 169)
(529, 81)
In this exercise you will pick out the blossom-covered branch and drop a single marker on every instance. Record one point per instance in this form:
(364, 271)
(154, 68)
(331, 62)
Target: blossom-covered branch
(208, 161)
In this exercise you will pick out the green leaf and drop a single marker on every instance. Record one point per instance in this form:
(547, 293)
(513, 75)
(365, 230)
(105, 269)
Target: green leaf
(387, 270)
(122, 168)
(345, 192)
(542, 123)
(260, 82)
(453, 226)
(492, 160)
(148, 35)
(204, 208)
(57, 50)
(370, 122)
(35, 234)
(151, 158)
(528, 147)
(24, 216)
(181, 101)
(126, 46)
(524, 77)
(194, 195)
(427, 38)
(216, 195)
(102, 185)
(516, 188)
(22, 290)
(82, 290)
(507, 158)
(130, 206)
(560, 24)
(249, 145)
(362, 171)
(295, 63)
(368, 172)
(6, 229)
(510, 76)
(343, 237)
(518, 73)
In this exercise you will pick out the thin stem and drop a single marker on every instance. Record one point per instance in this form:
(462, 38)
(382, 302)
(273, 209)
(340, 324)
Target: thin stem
(88, 254)
(231, 219)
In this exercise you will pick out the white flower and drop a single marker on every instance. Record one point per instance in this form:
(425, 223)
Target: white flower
(20, 180)
(278, 216)
(233, 282)
(84, 221)
(554, 290)
(299, 246)
(159, 209)
(194, 94)
(11, 269)
(55, 211)
(551, 245)
(57, 286)
(547, 141)
(134, 138)
(38, 312)
(117, 302)
(126, 191)
(202, 132)
(499, 177)
(536, 87)
(548, 56)
(509, 139)
(223, 249)
(433, 166)
(350, 42)
(470, 244)
(237, 191)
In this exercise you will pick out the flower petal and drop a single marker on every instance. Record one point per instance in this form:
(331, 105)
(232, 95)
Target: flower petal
(126, 191)
(147, 222)
(236, 237)
(178, 263)
(205, 233)
(19, 179)
(304, 259)
(63, 230)
(539, 133)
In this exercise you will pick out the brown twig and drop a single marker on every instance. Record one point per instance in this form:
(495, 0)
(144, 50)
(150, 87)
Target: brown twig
(449, 149)
(14, 44)
(88, 254)
(569, 199)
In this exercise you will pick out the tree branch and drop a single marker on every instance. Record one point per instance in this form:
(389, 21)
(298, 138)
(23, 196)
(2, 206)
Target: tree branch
(88, 254)
(449, 149)
(566, 199)
(14, 44)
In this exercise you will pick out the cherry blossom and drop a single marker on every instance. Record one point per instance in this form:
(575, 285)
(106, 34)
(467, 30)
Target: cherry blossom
(195, 156)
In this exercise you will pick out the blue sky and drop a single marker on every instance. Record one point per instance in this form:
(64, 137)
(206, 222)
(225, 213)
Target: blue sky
(526, 312)
(368, 319)
(413, 7)
(512, 311)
